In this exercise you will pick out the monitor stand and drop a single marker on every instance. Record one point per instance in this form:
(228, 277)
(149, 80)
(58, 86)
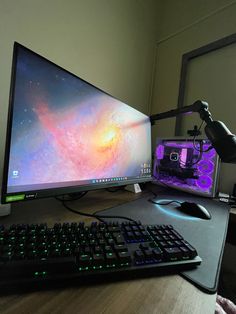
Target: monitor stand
(135, 188)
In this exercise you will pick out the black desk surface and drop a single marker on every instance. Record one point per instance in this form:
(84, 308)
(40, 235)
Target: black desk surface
(207, 236)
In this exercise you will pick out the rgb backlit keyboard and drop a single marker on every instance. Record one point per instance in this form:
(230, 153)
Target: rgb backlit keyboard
(38, 253)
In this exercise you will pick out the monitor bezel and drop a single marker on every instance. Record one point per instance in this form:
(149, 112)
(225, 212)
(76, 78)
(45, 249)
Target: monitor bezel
(7, 197)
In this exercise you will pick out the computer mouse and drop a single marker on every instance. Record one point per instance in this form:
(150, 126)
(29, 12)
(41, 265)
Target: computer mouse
(195, 210)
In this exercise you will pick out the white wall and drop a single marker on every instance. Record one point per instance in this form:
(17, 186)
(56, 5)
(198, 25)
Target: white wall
(109, 43)
(187, 25)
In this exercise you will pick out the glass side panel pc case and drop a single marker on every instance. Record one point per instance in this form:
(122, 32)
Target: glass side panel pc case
(179, 163)
(65, 135)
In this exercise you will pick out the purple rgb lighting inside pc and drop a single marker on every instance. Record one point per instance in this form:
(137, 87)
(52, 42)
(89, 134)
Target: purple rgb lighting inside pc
(180, 164)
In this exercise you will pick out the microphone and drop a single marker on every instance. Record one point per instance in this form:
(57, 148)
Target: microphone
(222, 140)
(220, 136)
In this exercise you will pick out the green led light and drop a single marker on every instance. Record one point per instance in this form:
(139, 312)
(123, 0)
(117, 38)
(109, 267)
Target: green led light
(44, 273)
(13, 198)
(36, 273)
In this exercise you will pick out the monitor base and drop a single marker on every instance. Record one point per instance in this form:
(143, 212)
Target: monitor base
(135, 188)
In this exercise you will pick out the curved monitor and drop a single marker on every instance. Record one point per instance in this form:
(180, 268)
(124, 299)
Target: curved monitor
(64, 135)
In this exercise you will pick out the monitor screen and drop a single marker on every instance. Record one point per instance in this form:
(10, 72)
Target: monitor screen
(65, 135)
(188, 165)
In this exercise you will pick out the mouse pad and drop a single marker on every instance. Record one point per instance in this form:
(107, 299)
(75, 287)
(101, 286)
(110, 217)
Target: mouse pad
(207, 236)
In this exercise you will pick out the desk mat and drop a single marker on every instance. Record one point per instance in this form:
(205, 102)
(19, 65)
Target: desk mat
(207, 236)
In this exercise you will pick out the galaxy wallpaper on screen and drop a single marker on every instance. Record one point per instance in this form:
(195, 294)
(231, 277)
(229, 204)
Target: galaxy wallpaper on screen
(67, 132)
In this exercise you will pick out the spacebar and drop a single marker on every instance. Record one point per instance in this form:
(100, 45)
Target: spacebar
(28, 267)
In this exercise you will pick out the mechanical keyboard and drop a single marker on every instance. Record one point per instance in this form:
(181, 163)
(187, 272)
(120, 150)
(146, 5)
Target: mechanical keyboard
(38, 253)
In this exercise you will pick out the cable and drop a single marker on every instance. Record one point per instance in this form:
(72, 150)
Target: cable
(99, 217)
(200, 155)
(194, 142)
(163, 204)
(195, 147)
(201, 150)
(201, 147)
(115, 189)
(71, 197)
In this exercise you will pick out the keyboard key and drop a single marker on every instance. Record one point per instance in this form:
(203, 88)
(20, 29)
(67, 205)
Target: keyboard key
(172, 253)
(84, 260)
(124, 257)
(111, 258)
(139, 256)
(120, 248)
(158, 254)
(98, 260)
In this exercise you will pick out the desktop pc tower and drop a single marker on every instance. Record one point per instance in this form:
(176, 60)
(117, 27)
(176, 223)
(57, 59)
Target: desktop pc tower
(187, 164)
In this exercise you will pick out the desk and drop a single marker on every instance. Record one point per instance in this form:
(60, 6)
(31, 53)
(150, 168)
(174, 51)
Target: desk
(167, 294)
